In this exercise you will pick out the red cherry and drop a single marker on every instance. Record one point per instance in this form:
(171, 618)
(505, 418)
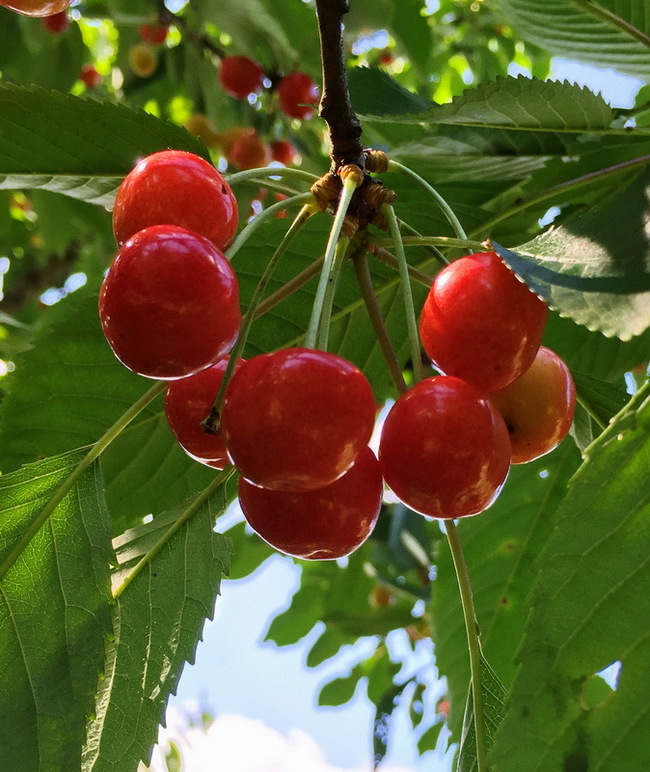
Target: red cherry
(296, 419)
(36, 7)
(538, 407)
(283, 152)
(248, 151)
(90, 76)
(444, 449)
(480, 323)
(153, 34)
(169, 304)
(57, 23)
(321, 524)
(174, 187)
(298, 94)
(240, 76)
(187, 403)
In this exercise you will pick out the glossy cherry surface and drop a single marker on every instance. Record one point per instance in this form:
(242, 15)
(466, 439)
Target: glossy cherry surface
(321, 524)
(298, 95)
(240, 76)
(174, 187)
(154, 34)
(444, 449)
(538, 407)
(283, 152)
(36, 7)
(248, 151)
(480, 323)
(296, 419)
(188, 402)
(169, 304)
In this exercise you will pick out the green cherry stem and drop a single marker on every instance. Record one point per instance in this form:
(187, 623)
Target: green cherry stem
(340, 256)
(269, 171)
(395, 166)
(266, 214)
(473, 642)
(438, 241)
(183, 518)
(73, 478)
(350, 185)
(377, 320)
(407, 295)
(211, 422)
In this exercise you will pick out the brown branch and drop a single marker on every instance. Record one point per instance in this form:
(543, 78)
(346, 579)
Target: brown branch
(335, 106)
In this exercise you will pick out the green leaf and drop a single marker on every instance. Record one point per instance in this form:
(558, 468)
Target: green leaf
(374, 92)
(589, 608)
(157, 623)
(609, 33)
(340, 690)
(600, 401)
(596, 267)
(76, 146)
(54, 613)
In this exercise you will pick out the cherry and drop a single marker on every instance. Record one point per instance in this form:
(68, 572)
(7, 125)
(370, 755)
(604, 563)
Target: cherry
(174, 187)
(297, 94)
(57, 23)
(283, 152)
(90, 76)
(202, 127)
(154, 34)
(296, 419)
(187, 403)
(480, 323)
(321, 524)
(248, 151)
(142, 60)
(169, 304)
(36, 7)
(538, 407)
(240, 76)
(444, 448)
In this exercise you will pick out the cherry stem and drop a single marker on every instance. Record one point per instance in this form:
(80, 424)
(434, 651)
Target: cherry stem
(438, 241)
(407, 295)
(389, 259)
(340, 256)
(183, 518)
(473, 641)
(211, 422)
(404, 226)
(294, 284)
(73, 478)
(267, 214)
(369, 296)
(327, 277)
(269, 171)
(395, 166)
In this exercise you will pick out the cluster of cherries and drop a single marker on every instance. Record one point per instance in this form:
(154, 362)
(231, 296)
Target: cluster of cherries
(296, 423)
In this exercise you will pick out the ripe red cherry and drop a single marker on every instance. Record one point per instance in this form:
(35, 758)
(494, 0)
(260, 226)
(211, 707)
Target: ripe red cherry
(57, 23)
(538, 407)
(321, 524)
(248, 151)
(153, 34)
(240, 76)
(297, 95)
(174, 187)
(297, 418)
(169, 304)
(283, 151)
(444, 449)
(90, 76)
(480, 323)
(36, 7)
(187, 403)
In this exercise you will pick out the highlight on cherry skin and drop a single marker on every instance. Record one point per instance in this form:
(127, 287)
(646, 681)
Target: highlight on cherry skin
(36, 7)
(480, 323)
(240, 76)
(444, 449)
(322, 524)
(538, 407)
(174, 187)
(296, 419)
(169, 305)
(188, 402)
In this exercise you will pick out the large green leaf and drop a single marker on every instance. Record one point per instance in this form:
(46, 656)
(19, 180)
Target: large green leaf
(54, 613)
(596, 267)
(77, 146)
(589, 608)
(609, 33)
(157, 623)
